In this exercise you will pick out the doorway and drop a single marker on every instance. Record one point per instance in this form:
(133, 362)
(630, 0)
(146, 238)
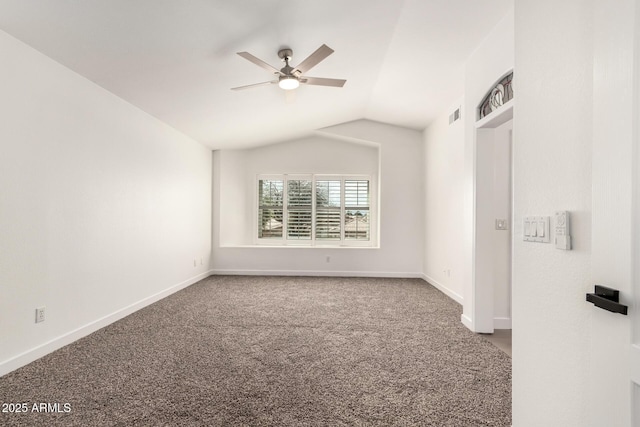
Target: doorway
(492, 248)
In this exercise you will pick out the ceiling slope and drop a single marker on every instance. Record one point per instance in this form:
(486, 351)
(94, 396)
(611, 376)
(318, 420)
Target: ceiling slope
(403, 60)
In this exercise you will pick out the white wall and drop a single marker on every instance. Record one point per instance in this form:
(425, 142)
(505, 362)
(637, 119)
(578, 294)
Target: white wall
(450, 173)
(314, 154)
(102, 207)
(233, 211)
(392, 153)
(443, 203)
(501, 209)
(552, 169)
(492, 292)
(575, 155)
(493, 58)
(616, 75)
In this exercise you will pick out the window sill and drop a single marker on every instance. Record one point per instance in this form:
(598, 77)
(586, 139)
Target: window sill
(306, 247)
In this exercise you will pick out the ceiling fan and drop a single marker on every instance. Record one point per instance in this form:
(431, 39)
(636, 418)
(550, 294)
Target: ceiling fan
(291, 77)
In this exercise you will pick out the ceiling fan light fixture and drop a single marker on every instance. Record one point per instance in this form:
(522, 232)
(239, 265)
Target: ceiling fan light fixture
(288, 82)
(289, 77)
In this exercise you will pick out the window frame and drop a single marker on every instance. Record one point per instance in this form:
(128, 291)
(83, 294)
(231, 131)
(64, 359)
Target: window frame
(313, 241)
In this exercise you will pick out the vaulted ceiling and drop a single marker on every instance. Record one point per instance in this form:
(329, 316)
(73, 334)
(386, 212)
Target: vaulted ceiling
(403, 59)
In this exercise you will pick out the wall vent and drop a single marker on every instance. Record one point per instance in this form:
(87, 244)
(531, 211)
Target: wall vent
(455, 116)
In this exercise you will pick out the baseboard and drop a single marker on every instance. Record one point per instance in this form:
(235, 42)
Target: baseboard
(448, 292)
(318, 273)
(501, 323)
(466, 321)
(498, 322)
(66, 339)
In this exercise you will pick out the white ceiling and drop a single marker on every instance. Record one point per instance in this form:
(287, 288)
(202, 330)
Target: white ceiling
(403, 60)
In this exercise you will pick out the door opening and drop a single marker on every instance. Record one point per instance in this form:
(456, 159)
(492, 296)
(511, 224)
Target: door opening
(491, 283)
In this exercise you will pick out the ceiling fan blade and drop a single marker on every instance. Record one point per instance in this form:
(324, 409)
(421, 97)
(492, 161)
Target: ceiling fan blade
(312, 60)
(254, 85)
(259, 62)
(319, 81)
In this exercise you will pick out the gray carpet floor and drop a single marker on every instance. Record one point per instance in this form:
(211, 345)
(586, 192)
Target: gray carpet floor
(275, 351)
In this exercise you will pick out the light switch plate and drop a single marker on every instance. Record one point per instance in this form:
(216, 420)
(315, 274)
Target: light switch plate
(536, 229)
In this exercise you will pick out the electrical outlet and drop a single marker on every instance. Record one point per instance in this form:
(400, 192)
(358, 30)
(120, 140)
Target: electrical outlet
(40, 314)
(328, 259)
(194, 262)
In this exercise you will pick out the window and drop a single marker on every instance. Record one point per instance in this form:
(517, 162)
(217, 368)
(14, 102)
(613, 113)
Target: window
(299, 209)
(356, 219)
(328, 210)
(314, 210)
(270, 211)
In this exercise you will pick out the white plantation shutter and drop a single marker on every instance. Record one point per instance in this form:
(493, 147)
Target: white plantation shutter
(356, 210)
(299, 205)
(315, 209)
(328, 210)
(270, 208)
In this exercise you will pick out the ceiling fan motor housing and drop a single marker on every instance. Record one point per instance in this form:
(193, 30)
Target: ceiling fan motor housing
(287, 80)
(285, 54)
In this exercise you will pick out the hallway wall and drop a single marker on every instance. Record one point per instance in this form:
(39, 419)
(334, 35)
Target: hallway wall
(552, 167)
